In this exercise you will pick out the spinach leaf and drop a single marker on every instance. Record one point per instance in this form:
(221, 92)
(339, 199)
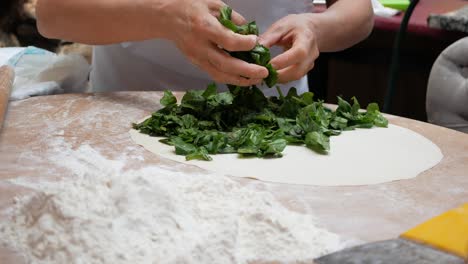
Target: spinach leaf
(168, 99)
(317, 141)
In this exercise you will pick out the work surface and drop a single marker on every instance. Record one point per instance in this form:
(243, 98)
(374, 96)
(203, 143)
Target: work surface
(35, 127)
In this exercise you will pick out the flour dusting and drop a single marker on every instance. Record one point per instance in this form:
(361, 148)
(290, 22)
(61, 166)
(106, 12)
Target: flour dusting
(101, 213)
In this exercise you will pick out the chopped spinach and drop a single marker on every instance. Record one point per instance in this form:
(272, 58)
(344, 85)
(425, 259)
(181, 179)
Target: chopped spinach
(244, 121)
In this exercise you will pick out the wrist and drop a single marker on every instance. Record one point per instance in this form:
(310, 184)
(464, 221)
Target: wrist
(317, 24)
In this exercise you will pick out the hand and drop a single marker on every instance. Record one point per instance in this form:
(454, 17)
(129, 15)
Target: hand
(193, 26)
(295, 33)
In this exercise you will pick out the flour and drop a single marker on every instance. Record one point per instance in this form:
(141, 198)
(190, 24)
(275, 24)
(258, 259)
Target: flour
(102, 213)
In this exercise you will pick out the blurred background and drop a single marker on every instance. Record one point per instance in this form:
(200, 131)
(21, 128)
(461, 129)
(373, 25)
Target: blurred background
(18, 29)
(364, 70)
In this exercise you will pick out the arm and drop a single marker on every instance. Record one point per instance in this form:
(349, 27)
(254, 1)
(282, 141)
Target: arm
(97, 22)
(191, 25)
(343, 24)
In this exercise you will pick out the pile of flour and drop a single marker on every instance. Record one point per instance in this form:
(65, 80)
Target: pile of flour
(101, 213)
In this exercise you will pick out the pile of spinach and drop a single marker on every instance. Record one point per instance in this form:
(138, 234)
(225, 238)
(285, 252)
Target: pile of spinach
(242, 120)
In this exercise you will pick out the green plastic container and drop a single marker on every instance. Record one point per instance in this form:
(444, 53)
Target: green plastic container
(396, 4)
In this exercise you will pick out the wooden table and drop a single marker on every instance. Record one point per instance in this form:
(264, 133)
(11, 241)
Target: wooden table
(368, 213)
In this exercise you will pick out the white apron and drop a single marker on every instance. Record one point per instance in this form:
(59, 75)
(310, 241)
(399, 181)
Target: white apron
(159, 65)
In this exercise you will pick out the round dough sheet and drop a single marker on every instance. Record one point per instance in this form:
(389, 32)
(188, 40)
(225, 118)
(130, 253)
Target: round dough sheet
(359, 157)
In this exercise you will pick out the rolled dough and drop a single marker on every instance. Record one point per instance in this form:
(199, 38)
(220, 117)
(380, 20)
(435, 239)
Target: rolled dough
(359, 157)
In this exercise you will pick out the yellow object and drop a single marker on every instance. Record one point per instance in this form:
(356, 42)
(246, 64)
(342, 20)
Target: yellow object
(447, 232)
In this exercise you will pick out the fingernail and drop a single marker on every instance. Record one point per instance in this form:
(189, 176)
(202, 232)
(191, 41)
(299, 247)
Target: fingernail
(254, 38)
(261, 73)
(261, 41)
(257, 81)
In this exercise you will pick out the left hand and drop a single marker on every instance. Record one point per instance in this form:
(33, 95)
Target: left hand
(296, 34)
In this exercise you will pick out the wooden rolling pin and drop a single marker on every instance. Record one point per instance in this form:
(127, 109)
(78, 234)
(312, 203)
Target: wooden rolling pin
(7, 75)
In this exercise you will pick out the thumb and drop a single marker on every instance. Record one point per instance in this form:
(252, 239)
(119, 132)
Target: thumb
(227, 39)
(235, 42)
(270, 38)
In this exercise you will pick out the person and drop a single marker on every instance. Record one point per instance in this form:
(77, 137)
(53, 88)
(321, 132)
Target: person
(180, 44)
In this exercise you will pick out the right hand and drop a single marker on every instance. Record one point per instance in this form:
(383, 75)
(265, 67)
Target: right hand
(194, 28)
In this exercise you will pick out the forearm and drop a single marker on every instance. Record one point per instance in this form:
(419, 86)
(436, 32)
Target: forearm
(343, 24)
(99, 21)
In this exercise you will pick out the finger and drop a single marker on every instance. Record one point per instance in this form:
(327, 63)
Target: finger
(294, 72)
(237, 18)
(216, 5)
(297, 53)
(222, 77)
(215, 8)
(273, 35)
(227, 39)
(269, 39)
(228, 64)
(304, 47)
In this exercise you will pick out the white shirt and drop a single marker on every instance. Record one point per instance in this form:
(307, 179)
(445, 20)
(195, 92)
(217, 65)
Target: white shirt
(158, 65)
